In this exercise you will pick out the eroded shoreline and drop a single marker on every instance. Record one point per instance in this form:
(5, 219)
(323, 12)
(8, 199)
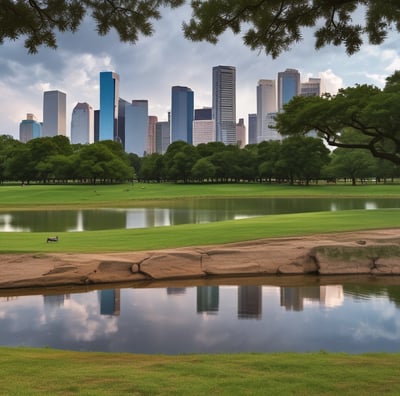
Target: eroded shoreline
(373, 252)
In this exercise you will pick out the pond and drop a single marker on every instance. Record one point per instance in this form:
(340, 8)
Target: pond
(256, 316)
(192, 211)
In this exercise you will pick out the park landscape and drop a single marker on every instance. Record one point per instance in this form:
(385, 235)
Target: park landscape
(363, 117)
(280, 372)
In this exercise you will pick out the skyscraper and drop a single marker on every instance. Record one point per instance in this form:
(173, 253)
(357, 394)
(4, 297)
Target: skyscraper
(288, 86)
(312, 87)
(252, 135)
(151, 135)
(224, 103)
(163, 137)
(29, 128)
(136, 127)
(266, 103)
(82, 124)
(109, 97)
(203, 131)
(241, 133)
(54, 114)
(182, 112)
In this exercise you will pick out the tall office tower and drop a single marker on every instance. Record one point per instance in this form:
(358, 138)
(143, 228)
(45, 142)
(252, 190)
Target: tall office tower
(29, 128)
(163, 138)
(203, 131)
(252, 136)
(96, 125)
(54, 113)
(120, 135)
(266, 103)
(82, 124)
(109, 98)
(182, 112)
(311, 88)
(288, 86)
(151, 135)
(136, 127)
(224, 103)
(241, 133)
(203, 114)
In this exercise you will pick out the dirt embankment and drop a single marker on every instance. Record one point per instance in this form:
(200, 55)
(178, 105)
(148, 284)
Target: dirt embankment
(368, 252)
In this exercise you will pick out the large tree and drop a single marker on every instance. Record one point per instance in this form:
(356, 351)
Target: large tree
(372, 113)
(267, 25)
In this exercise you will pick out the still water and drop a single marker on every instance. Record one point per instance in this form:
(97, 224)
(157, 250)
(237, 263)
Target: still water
(256, 317)
(193, 211)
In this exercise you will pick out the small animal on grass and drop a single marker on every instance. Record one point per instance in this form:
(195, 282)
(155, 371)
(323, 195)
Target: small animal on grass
(52, 239)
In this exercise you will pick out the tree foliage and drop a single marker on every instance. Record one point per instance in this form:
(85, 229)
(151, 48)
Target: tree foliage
(367, 110)
(272, 26)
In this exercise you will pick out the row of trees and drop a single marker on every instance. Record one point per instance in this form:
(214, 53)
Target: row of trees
(296, 159)
(55, 159)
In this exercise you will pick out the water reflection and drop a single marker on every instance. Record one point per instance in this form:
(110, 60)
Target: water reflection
(193, 211)
(208, 318)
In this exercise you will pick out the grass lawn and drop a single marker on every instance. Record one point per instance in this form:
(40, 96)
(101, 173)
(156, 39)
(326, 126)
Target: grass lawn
(27, 371)
(59, 196)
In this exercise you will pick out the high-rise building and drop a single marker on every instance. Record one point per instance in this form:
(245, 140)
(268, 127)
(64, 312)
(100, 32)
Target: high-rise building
(224, 103)
(182, 112)
(96, 125)
(109, 98)
(312, 87)
(203, 114)
(252, 135)
(29, 128)
(266, 103)
(82, 124)
(288, 86)
(54, 114)
(163, 138)
(120, 135)
(151, 135)
(136, 127)
(203, 131)
(241, 133)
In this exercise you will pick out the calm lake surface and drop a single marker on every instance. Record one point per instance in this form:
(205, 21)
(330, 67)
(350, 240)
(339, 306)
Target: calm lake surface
(173, 213)
(254, 317)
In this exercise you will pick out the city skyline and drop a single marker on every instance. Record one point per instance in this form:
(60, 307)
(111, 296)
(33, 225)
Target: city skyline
(156, 63)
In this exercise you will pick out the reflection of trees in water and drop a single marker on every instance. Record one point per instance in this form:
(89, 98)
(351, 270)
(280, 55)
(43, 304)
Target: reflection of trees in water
(365, 292)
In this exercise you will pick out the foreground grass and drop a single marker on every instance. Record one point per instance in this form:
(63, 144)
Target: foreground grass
(27, 371)
(201, 234)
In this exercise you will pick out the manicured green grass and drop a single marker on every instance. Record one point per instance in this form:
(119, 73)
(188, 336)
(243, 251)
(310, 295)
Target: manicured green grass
(128, 195)
(202, 234)
(27, 371)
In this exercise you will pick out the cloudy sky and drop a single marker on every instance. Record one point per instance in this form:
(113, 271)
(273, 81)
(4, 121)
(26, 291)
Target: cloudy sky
(151, 67)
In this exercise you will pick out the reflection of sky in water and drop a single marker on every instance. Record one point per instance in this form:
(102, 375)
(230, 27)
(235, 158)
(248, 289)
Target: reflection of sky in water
(213, 319)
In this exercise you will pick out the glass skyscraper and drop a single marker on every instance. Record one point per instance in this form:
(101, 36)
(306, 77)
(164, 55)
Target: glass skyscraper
(224, 103)
(54, 114)
(288, 86)
(29, 128)
(182, 113)
(109, 97)
(136, 127)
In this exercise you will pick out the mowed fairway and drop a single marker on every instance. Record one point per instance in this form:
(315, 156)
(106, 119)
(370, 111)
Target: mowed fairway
(127, 195)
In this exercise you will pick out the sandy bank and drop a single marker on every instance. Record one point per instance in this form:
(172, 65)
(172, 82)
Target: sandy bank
(374, 252)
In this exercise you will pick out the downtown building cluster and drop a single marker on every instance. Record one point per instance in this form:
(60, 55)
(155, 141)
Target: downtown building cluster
(140, 133)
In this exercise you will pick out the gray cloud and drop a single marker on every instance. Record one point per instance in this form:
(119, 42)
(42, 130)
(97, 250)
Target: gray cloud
(149, 68)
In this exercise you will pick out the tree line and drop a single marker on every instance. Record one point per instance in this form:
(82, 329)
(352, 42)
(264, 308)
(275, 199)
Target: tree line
(295, 159)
